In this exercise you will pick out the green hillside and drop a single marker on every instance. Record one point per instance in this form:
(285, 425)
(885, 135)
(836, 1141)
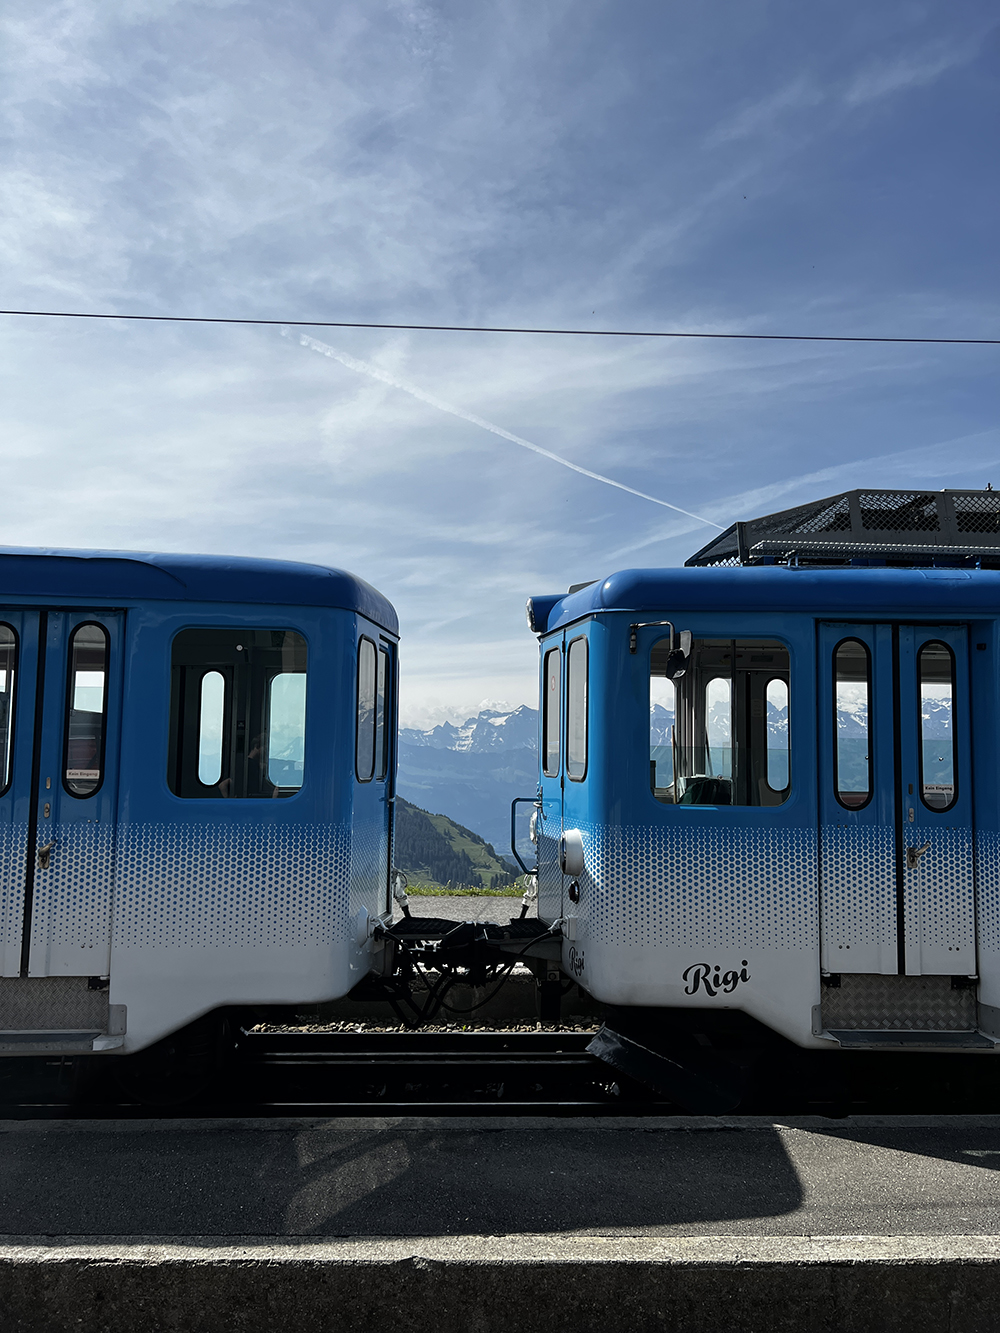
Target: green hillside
(434, 850)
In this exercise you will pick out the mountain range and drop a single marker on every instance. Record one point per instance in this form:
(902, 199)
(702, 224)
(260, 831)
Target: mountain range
(473, 771)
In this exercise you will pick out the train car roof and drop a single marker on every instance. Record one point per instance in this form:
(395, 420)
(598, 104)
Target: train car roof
(147, 576)
(843, 593)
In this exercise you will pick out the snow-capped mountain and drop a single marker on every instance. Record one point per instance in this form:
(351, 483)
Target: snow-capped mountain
(473, 771)
(936, 717)
(489, 730)
(662, 719)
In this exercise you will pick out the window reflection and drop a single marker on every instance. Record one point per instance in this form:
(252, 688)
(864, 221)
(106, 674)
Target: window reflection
(382, 711)
(8, 656)
(365, 751)
(718, 727)
(211, 714)
(237, 711)
(86, 714)
(662, 737)
(852, 693)
(551, 694)
(576, 710)
(776, 715)
(286, 729)
(936, 674)
(719, 732)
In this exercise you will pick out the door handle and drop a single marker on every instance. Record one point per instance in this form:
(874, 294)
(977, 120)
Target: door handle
(913, 855)
(44, 853)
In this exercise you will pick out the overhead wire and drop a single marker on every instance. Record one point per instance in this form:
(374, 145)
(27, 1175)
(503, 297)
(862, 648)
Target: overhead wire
(501, 328)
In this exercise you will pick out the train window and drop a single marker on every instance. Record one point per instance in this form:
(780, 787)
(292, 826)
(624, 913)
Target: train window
(851, 702)
(211, 714)
(662, 702)
(364, 761)
(286, 729)
(576, 710)
(237, 713)
(382, 712)
(551, 697)
(776, 705)
(719, 732)
(86, 710)
(719, 726)
(8, 667)
(936, 673)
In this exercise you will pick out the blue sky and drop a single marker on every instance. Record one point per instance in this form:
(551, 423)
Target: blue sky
(729, 166)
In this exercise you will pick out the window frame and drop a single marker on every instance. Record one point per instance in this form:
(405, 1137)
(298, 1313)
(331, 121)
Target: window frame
(851, 638)
(937, 809)
(557, 652)
(382, 724)
(68, 708)
(580, 638)
(5, 785)
(362, 641)
(747, 683)
(245, 681)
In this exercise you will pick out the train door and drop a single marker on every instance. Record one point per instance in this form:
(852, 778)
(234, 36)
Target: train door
(896, 833)
(548, 817)
(60, 707)
(374, 773)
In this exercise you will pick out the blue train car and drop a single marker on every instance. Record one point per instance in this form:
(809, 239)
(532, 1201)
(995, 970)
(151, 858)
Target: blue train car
(769, 783)
(196, 774)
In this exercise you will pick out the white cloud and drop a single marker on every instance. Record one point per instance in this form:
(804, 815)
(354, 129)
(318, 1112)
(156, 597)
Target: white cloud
(908, 70)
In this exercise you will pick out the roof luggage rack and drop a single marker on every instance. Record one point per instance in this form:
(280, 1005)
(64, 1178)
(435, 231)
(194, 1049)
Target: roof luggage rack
(863, 527)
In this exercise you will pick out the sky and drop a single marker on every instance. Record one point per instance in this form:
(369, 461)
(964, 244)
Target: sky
(736, 166)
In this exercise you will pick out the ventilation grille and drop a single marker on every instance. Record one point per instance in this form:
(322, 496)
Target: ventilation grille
(834, 518)
(977, 513)
(883, 527)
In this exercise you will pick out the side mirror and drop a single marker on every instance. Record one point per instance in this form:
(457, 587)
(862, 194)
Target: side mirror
(676, 665)
(684, 641)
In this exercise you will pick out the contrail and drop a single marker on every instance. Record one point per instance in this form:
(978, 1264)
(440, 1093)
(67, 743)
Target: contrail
(366, 368)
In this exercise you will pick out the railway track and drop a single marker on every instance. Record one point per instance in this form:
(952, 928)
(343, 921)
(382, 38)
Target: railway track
(299, 1073)
(295, 1073)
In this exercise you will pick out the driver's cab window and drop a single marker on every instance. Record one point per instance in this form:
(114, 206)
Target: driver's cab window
(718, 723)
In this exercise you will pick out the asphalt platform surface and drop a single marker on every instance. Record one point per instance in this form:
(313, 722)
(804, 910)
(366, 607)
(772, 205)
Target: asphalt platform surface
(425, 1177)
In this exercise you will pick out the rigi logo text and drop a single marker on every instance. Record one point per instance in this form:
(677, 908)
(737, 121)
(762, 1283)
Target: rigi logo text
(711, 979)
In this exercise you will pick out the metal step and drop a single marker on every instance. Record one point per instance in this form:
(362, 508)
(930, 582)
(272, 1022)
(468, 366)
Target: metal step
(881, 1038)
(38, 1043)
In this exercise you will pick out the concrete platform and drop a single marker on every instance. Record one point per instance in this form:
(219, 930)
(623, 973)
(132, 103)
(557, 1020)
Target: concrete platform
(475, 1225)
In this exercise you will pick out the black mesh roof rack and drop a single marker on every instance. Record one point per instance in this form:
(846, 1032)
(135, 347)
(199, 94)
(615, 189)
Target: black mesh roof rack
(867, 527)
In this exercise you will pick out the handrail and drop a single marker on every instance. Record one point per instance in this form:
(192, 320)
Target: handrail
(518, 800)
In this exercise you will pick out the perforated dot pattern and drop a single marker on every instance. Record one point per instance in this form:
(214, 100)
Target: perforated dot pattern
(704, 887)
(233, 885)
(369, 866)
(549, 872)
(939, 903)
(72, 899)
(13, 849)
(988, 881)
(858, 885)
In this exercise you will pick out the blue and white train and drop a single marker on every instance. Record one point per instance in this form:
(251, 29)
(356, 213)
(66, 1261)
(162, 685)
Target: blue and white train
(196, 780)
(769, 783)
